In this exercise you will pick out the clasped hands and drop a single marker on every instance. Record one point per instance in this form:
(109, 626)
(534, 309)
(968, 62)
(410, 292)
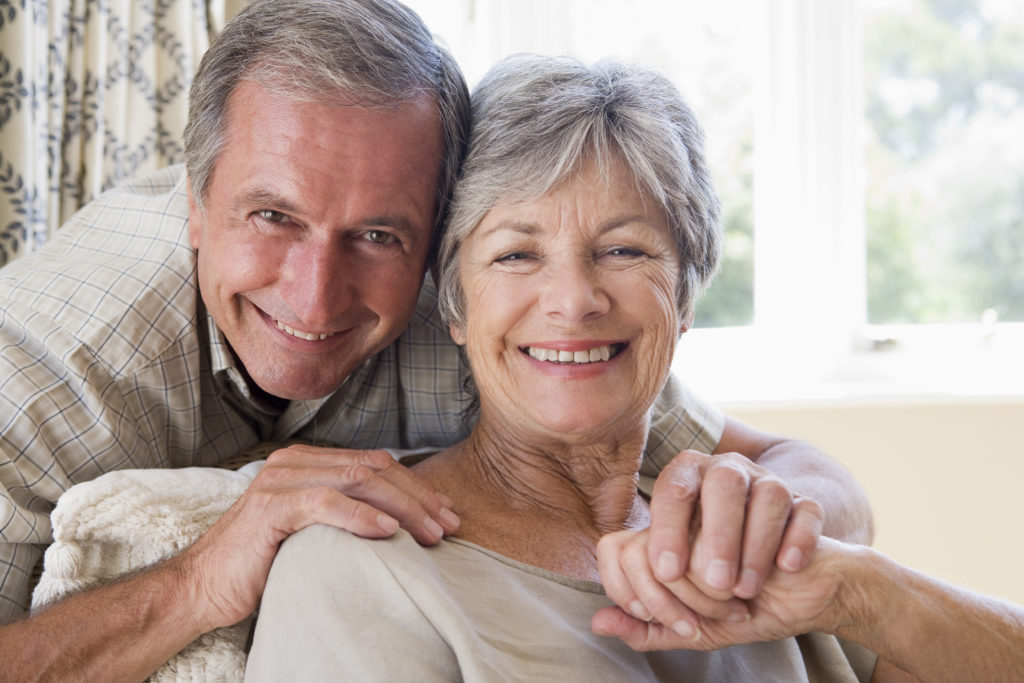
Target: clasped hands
(716, 565)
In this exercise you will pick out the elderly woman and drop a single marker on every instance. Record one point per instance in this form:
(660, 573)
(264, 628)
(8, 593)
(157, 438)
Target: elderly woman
(583, 230)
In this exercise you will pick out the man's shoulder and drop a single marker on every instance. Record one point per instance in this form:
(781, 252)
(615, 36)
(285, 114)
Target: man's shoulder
(426, 320)
(119, 276)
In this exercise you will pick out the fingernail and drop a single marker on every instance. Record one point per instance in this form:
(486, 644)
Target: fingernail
(433, 527)
(668, 565)
(388, 524)
(719, 574)
(449, 519)
(792, 560)
(738, 616)
(686, 630)
(750, 581)
(637, 609)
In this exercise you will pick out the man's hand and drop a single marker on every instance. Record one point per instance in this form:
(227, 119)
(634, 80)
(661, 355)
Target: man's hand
(749, 519)
(365, 492)
(788, 604)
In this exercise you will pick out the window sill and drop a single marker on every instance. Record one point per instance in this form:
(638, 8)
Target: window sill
(740, 367)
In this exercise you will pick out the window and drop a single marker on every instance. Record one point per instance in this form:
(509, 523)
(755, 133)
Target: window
(868, 155)
(945, 151)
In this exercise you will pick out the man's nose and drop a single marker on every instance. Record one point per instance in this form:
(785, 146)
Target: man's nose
(317, 286)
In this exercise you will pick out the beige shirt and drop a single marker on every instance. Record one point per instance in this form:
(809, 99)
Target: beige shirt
(338, 607)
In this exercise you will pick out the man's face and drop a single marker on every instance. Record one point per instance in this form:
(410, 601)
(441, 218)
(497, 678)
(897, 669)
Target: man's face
(313, 241)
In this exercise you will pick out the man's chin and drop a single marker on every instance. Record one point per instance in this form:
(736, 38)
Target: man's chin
(297, 386)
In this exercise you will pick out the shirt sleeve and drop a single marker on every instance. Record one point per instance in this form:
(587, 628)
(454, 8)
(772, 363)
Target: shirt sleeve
(680, 421)
(332, 605)
(62, 420)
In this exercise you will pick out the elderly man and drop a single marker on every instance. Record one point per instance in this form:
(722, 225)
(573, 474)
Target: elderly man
(273, 293)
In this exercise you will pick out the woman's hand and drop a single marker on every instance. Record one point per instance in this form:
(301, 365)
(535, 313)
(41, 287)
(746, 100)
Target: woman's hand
(683, 613)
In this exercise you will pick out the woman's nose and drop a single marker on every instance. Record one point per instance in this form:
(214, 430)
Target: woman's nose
(573, 292)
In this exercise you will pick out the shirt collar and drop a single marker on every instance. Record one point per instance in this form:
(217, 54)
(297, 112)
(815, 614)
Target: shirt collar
(232, 384)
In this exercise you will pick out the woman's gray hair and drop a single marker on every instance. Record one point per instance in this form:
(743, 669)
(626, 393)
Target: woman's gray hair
(371, 53)
(536, 120)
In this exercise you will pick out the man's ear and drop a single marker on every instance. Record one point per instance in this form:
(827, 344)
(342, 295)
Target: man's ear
(458, 334)
(195, 217)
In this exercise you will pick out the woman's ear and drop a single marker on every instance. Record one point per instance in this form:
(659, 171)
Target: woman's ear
(458, 334)
(684, 326)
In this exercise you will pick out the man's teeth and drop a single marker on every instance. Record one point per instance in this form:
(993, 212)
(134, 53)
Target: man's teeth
(599, 353)
(308, 336)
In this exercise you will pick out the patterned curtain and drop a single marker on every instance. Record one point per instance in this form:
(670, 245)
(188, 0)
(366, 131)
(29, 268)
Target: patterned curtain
(91, 92)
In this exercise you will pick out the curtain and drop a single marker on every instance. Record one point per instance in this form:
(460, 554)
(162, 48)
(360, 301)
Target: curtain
(91, 92)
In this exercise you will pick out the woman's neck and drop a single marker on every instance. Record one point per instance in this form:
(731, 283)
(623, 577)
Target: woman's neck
(546, 504)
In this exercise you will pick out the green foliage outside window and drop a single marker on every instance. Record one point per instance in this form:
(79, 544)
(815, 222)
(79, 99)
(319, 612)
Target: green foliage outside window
(945, 191)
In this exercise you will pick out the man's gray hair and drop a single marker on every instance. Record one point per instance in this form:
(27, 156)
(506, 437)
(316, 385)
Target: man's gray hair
(369, 53)
(537, 120)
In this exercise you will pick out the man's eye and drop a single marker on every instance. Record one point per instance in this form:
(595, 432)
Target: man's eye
(271, 215)
(380, 237)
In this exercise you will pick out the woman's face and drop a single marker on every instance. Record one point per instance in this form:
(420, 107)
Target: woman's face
(571, 318)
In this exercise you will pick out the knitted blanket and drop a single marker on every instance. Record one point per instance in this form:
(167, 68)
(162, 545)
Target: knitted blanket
(130, 519)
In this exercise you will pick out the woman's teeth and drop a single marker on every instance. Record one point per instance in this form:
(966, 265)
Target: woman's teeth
(599, 353)
(308, 336)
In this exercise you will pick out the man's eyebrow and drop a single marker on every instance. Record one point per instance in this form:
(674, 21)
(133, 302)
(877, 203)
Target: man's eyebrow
(262, 197)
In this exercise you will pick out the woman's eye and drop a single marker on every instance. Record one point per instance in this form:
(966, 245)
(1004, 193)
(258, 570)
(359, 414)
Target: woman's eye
(627, 252)
(512, 257)
(380, 237)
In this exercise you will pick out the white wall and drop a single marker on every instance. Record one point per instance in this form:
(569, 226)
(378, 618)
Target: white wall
(945, 477)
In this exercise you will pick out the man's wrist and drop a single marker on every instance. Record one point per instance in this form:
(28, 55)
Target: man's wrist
(865, 600)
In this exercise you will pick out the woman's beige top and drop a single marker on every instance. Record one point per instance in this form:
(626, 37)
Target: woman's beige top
(338, 607)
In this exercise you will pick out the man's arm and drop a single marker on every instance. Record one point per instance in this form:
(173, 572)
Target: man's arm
(122, 631)
(929, 628)
(125, 630)
(810, 474)
(921, 628)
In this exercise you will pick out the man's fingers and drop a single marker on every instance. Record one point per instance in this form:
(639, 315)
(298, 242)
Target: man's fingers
(369, 476)
(723, 511)
(673, 506)
(803, 532)
(768, 510)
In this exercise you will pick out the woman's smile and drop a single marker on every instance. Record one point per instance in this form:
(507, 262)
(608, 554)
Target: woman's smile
(595, 354)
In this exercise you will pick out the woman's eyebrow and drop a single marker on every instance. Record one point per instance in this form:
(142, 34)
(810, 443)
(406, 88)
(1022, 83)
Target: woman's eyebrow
(617, 222)
(511, 225)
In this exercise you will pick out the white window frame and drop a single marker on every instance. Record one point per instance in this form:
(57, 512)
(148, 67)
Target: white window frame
(810, 338)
